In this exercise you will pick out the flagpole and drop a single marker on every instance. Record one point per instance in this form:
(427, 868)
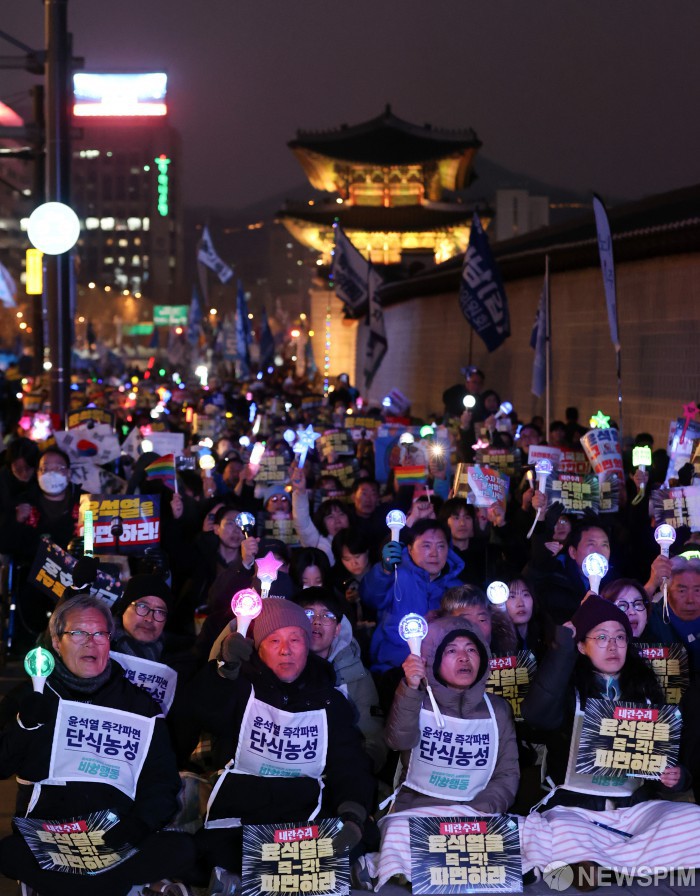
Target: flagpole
(548, 345)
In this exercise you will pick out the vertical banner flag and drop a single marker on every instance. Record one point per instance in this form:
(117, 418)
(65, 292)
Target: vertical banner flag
(607, 264)
(377, 344)
(350, 272)
(242, 332)
(481, 295)
(206, 255)
(267, 342)
(194, 318)
(8, 288)
(538, 341)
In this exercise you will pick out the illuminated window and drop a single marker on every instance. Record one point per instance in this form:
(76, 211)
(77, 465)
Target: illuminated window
(146, 223)
(136, 260)
(107, 223)
(123, 243)
(92, 223)
(133, 223)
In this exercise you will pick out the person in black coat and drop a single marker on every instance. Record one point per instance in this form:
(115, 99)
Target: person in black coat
(80, 630)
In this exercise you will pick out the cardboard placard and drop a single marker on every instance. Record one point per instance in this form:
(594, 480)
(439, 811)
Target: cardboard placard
(51, 573)
(574, 462)
(511, 677)
(336, 443)
(504, 460)
(73, 845)
(283, 530)
(140, 516)
(681, 453)
(602, 447)
(294, 858)
(628, 739)
(86, 415)
(544, 452)
(274, 469)
(481, 486)
(670, 663)
(475, 854)
(676, 506)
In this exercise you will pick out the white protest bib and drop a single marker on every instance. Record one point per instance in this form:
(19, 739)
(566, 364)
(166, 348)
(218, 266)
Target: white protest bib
(96, 744)
(157, 679)
(276, 744)
(595, 785)
(455, 762)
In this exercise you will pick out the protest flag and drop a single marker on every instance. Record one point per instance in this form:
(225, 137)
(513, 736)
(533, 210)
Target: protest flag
(481, 295)
(350, 273)
(163, 468)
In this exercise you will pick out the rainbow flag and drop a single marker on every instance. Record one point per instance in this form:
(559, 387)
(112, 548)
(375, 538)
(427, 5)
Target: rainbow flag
(410, 475)
(163, 468)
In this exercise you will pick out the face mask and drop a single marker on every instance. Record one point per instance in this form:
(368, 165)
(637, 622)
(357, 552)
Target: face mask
(52, 483)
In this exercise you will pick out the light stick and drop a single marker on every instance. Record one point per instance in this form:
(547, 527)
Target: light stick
(664, 536)
(641, 459)
(267, 568)
(39, 664)
(246, 523)
(88, 534)
(469, 401)
(413, 628)
(256, 454)
(395, 520)
(305, 443)
(595, 566)
(498, 593)
(246, 606)
(505, 409)
(543, 468)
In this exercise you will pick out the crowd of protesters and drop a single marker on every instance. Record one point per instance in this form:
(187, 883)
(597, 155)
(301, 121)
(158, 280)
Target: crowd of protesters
(326, 656)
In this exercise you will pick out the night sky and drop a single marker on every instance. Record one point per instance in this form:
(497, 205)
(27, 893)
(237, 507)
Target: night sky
(584, 94)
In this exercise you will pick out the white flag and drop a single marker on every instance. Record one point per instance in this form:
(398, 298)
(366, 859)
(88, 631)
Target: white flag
(206, 255)
(8, 288)
(377, 343)
(350, 272)
(607, 264)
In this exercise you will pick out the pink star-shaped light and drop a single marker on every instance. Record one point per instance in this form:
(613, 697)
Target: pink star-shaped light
(267, 568)
(305, 443)
(690, 412)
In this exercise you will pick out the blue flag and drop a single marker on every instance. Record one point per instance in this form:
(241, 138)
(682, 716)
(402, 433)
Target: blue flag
(607, 265)
(242, 333)
(481, 295)
(267, 342)
(194, 318)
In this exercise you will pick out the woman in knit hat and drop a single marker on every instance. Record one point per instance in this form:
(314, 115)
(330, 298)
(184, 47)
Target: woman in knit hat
(594, 658)
(279, 726)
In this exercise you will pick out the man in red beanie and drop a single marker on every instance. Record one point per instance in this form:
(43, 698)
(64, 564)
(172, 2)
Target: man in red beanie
(279, 726)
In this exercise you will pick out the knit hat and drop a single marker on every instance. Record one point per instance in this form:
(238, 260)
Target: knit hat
(595, 610)
(277, 614)
(140, 586)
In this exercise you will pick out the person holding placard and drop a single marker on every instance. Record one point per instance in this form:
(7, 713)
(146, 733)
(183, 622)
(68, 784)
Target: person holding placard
(680, 621)
(91, 741)
(468, 766)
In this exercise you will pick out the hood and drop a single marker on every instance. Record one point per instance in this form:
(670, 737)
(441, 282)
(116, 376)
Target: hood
(342, 639)
(439, 631)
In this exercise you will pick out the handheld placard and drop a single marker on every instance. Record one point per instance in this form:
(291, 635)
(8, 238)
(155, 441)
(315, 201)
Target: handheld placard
(413, 628)
(641, 459)
(246, 606)
(395, 520)
(498, 593)
(595, 566)
(543, 469)
(246, 523)
(664, 536)
(39, 664)
(267, 568)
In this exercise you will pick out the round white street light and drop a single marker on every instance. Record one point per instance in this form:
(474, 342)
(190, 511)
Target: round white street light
(53, 228)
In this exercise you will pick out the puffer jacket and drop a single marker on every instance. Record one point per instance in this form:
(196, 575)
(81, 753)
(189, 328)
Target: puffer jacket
(403, 728)
(393, 596)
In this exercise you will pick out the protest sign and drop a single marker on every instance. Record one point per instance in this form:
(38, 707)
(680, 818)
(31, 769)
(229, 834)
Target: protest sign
(681, 452)
(336, 443)
(294, 858)
(503, 460)
(139, 516)
(628, 739)
(510, 678)
(167, 442)
(544, 452)
(273, 469)
(156, 679)
(87, 415)
(95, 443)
(574, 462)
(602, 447)
(51, 572)
(465, 855)
(73, 845)
(344, 472)
(283, 530)
(670, 663)
(481, 486)
(678, 506)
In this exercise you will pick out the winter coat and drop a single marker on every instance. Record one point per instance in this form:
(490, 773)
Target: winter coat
(216, 704)
(27, 755)
(409, 591)
(403, 728)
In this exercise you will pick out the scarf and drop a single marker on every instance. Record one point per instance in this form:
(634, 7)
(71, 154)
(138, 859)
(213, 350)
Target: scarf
(81, 686)
(122, 642)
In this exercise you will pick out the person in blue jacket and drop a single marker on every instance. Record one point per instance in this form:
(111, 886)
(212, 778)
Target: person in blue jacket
(409, 579)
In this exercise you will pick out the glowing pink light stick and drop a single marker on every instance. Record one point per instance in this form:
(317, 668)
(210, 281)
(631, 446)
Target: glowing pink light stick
(246, 606)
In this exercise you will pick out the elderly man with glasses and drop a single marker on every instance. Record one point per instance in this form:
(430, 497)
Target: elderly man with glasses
(91, 742)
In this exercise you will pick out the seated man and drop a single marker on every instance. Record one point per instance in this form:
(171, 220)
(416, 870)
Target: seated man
(52, 784)
(257, 686)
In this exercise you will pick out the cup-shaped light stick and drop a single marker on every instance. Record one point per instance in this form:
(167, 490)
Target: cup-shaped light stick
(246, 523)
(664, 536)
(505, 409)
(39, 664)
(396, 520)
(413, 628)
(595, 567)
(246, 606)
(469, 401)
(641, 459)
(498, 593)
(267, 568)
(543, 469)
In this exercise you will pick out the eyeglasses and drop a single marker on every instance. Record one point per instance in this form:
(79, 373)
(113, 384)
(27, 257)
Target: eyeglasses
(62, 469)
(276, 498)
(144, 610)
(326, 618)
(637, 605)
(80, 637)
(602, 639)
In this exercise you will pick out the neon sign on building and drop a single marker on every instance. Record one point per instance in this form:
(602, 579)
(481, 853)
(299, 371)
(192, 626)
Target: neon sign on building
(162, 163)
